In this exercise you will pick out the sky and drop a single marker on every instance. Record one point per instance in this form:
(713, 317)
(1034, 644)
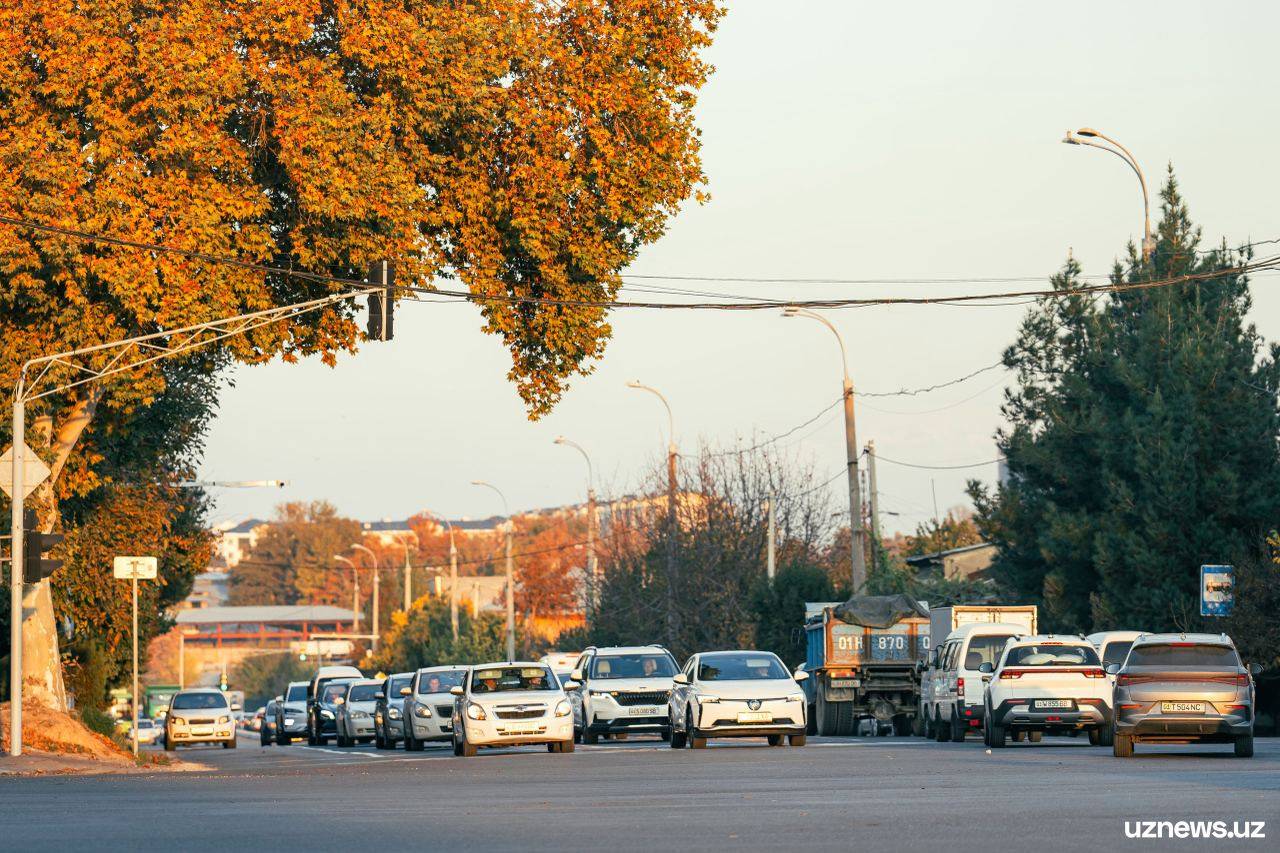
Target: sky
(841, 140)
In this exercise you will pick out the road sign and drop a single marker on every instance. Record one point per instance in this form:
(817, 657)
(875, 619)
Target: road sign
(34, 471)
(135, 568)
(1217, 590)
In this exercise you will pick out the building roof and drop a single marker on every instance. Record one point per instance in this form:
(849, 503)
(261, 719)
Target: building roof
(266, 613)
(938, 555)
(246, 526)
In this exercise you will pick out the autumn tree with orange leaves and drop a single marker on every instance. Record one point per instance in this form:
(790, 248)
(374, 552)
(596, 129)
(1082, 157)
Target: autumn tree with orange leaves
(523, 148)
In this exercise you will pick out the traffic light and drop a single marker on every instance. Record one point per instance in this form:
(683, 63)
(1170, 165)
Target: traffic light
(222, 682)
(36, 567)
(382, 305)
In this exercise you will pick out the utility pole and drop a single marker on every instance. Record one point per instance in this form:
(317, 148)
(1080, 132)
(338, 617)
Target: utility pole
(673, 616)
(511, 577)
(453, 584)
(771, 569)
(857, 532)
(355, 591)
(372, 556)
(593, 578)
(408, 575)
(874, 499)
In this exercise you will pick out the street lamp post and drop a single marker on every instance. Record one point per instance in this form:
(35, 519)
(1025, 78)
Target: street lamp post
(511, 578)
(453, 574)
(1085, 136)
(672, 531)
(857, 537)
(372, 556)
(591, 516)
(355, 591)
(408, 572)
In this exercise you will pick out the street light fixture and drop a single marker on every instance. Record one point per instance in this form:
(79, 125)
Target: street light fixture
(671, 510)
(591, 514)
(858, 563)
(1085, 136)
(511, 582)
(374, 557)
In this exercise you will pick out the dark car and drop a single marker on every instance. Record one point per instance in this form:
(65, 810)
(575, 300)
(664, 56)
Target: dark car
(324, 710)
(291, 714)
(388, 726)
(267, 730)
(1183, 688)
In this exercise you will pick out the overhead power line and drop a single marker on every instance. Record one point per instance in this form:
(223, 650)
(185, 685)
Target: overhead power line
(880, 458)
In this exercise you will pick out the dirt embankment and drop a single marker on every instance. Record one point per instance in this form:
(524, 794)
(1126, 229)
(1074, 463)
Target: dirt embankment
(58, 742)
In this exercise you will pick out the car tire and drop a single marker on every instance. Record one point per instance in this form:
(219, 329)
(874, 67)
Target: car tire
(264, 739)
(678, 738)
(457, 746)
(995, 736)
(282, 739)
(566, 746)
(797, 740)
(1244, 747)
(1095, 737)
(1017, 737)
(1122, 746)
(1105, 733)
(229, 744)
(589, 737)
(958, 729)
(695, 742)
(468, 750)
(775, 740)
(169, 745)
(1035, 737)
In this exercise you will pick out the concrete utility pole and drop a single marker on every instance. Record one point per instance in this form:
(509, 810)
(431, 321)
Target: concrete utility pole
(511, 577)
(593, 578)
(673, 617)
(408, 573)
(372, 556)
(771, 568)
(857, 537)
(1085, 136)
(355, 591)
(874, 498)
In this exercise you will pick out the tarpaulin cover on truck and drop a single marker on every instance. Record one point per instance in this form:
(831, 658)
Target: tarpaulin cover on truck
(878, 611)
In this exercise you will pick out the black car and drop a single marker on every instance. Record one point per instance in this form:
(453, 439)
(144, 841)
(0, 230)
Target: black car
(324, 711)
(291, 714)
(388, 727)
(267, 732)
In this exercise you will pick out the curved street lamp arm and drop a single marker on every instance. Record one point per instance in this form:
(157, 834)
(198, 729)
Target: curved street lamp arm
(813, 315)
(671, 419)
(578, 447)
(506, 511)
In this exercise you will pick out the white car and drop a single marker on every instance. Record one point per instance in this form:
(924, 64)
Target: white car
(201, 715)
(148, 731)
(1049, 683)
(954, 706)
(1113, 646)
(512, 704)
(736, 694)
(354, 721)
(622, 690)
(427, 705)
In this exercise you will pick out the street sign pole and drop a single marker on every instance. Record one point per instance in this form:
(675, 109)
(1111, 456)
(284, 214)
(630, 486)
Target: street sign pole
(134, 569)
(135, 666)
(15, 580)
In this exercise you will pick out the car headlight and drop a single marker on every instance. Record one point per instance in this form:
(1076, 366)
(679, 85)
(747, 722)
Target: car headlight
(707, 700)
(178, 721)
(359, 715)
(563, 708)
(224, 719)
(796, 697)
(598, 692)
(326, 713)
(475, 712)
(288, 721)
(393, 713)
(425, 711)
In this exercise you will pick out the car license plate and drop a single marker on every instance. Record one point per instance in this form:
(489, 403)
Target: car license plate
(755, 717)
(1182, 707)
(1052, 704)
(521, 728)
(644, 712)
(202, 730)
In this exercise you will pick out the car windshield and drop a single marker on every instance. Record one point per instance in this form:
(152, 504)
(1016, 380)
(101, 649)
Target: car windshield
(750, 667)
(1115, 651)
(1052, 654)
(146, 724)
(333, 691)
(495, 679)
(639, 665)
(985, 648)
(439, 682)
(395, 684)
(364, 692)
(1184, 655)
(297, 693)
(199, 702)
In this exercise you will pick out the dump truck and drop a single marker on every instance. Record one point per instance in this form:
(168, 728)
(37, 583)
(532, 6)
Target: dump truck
(861, 658)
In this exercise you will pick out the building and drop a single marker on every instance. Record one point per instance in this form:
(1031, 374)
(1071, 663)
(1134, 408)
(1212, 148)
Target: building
(210, 588)
(966, 563)
(236, 539)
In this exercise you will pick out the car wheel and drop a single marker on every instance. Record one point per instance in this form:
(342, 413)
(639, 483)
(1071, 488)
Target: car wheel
(1095, 737)
(942, 731)
(589, 737)
(468, 750)
(1018, 737)
(1035, 737)
(1105, 734)
(797, 740)
(1121, 745)
(169, 745)
(566, 745)
(678, 738)
(229, 744)
(775, 740)
(995, 736)
(282, 739)
(457, 745)
(958, 729)
(695, 742)
(1244, 747)
(264, 739)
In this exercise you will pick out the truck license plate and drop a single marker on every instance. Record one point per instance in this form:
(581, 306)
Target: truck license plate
(1182, 707)
(845, 683)
(644, 712)
(755, 717)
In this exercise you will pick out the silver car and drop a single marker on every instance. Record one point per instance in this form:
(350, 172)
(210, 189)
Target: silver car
(1183, 688)
(428, 705)
(354, 717)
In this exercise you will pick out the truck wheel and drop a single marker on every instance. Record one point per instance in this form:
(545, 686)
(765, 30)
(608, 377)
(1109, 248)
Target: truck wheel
(846, 720)
(942, 731)
(957, 726)
(903, 725)
(917, 725)
(826, 717)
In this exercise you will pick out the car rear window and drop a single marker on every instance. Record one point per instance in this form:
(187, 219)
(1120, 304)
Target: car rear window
(985, 648)
(1052, 654)
(1115, 651)
(1184, 654)
(297, 693)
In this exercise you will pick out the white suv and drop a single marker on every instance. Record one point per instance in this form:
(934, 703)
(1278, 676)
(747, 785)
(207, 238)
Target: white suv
(623, 690)
(1049, 683)
(511, 704)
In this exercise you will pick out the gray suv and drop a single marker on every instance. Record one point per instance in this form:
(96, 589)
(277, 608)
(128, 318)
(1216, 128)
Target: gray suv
(1183, 688)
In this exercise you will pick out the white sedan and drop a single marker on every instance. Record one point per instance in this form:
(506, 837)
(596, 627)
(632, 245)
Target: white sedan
(736, 694)
(511, 704)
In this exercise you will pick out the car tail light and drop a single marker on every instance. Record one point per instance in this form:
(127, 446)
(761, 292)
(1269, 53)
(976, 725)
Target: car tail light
(1010, 673)
(1129, 706)
(975, 722)
(1237, 680)
(1053, 719)
(959, 686)
(1095, 673)
(1237, 707)
(1122, 680)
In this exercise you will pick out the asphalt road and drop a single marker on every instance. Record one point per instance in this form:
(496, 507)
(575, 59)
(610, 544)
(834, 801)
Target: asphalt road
(880, 794)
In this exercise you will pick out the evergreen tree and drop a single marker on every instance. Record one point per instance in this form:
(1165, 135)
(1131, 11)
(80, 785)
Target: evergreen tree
(1141, 440)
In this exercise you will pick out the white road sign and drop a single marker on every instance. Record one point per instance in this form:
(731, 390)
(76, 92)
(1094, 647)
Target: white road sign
(136, 568)
(34, 471)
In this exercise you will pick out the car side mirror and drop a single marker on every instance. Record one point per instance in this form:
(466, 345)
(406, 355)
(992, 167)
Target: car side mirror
(986, 668)
(1112, 668)
(681, 678)
(235, 706)
(456, 691)
(339, 701)
(800, 676)
(578, 676)
(571, 685)
(1254, 669)
(405, 691)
